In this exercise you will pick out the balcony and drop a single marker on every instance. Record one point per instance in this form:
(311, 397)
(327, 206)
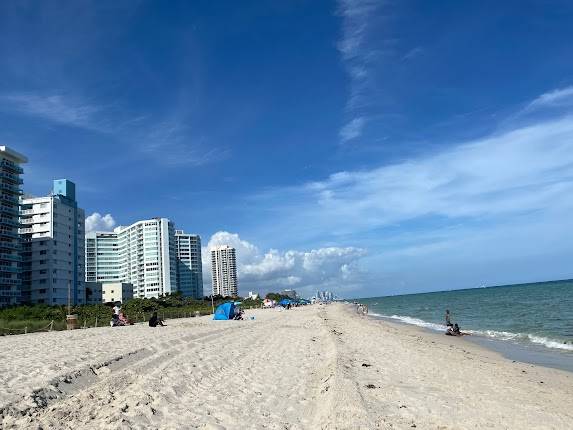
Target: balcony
(5, 278)
(11, 167)
(10, 200)
(9, 245)
(9, 293)
(9, 222)
(10, 188)
(9, 210)
(9, 234)
(15, 179)
(11, 257)
(34, 220)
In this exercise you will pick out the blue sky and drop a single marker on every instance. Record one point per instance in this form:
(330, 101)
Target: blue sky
(369, 147)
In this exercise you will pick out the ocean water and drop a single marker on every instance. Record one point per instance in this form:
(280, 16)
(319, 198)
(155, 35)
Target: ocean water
(535, 317)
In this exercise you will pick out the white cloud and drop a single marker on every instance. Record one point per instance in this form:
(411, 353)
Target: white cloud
(359, 20)
(169, 142)
(273, 270)
(500, 201)
(355, 26)
(54, 107)
(246, 252)
(97, 222)
(558, 97)
(352, 130)
(521, 170)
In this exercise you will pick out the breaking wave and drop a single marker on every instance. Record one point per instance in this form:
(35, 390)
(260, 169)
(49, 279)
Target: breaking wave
(494, 334)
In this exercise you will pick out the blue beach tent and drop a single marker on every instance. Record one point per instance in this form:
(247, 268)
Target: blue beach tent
(226, 311)
(284, 302)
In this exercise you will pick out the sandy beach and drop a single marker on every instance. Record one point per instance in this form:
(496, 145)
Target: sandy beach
(307, 368)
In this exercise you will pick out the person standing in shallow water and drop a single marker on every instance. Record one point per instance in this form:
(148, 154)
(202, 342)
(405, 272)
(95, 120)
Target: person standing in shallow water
(448, 318)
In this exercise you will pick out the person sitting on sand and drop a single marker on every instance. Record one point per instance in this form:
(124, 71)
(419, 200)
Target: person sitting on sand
(458, 332)
(123, 320)
(450, 331)
(154, 321)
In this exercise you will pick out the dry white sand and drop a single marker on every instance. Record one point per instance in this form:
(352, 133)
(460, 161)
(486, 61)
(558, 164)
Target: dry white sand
(307, 368)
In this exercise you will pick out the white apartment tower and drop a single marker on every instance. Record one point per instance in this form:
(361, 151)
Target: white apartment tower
(142, 254)
(10, 171)
(52, 235)
(224, 271)
(189, 270)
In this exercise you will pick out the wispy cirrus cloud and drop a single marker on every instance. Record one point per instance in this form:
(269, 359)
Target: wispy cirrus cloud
(55, 107)
(358, 23)
(169, 142)
(542, 108)
(561, 97)
(174, 144)
(352, 130)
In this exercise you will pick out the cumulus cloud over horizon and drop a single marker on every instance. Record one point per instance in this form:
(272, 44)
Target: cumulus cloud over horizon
(99, 222)
(273, 270)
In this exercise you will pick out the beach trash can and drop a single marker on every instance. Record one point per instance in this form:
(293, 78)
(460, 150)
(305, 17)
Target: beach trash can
(72, 322)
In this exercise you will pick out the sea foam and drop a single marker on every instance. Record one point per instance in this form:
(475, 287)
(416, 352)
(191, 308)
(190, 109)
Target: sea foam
(494, 334)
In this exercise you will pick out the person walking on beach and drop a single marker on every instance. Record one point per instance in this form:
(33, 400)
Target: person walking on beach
(448, 318)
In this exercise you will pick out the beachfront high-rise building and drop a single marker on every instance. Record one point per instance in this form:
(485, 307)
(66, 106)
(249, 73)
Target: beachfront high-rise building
(189, 270)
(224, 271)
(52, 235)
(142, 254)
(10, 181)
(102, 257)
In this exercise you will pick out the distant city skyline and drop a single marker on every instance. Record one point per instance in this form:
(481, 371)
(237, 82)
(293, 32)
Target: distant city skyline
(355, 146)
